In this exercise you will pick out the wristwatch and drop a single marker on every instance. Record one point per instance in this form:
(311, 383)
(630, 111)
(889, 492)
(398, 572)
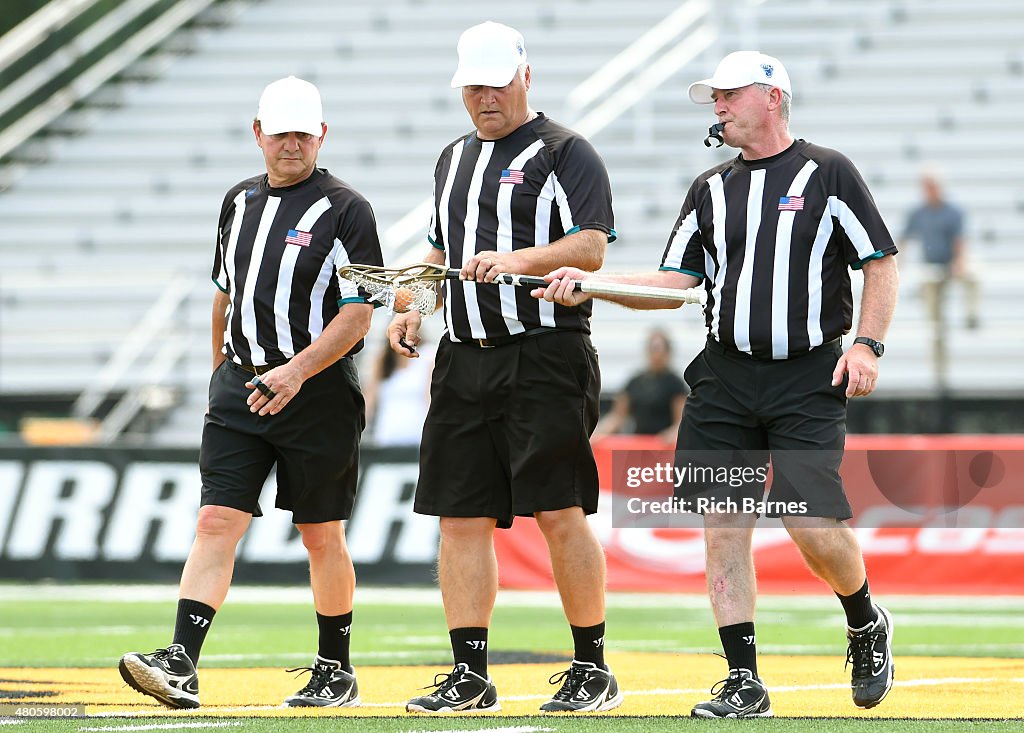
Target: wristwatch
(877, 346)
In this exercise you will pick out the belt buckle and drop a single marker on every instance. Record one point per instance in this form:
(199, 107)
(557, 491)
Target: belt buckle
(482, 343)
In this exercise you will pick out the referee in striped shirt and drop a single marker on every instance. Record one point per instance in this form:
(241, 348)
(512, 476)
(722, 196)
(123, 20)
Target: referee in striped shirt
(515, 387)
(284, 393)
(772, 235)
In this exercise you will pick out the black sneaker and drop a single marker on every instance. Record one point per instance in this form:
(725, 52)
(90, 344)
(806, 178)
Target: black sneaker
(870, 653)
(329, 687)
(740, 695)
(460, 690)
(167, 675)
(585, 688)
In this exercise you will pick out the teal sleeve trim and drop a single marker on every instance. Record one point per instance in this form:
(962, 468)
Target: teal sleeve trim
(684, 272)
(219, 287)
(872, 256)
(612, 236)
(434, 244)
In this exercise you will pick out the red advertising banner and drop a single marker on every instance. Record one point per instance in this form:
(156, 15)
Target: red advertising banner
(934, 515)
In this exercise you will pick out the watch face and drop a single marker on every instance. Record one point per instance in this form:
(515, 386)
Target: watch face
(879, 348)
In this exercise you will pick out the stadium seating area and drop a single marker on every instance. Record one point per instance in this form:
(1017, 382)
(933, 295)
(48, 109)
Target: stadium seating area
(115, 207)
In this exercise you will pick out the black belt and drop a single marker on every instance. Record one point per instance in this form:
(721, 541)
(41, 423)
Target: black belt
(258, 370)
(490, 343)
(720, 348)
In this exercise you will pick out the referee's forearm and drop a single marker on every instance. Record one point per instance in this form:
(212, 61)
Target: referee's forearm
(878, 301)
(346, 329)
(659, 279)
(219, 325)
(584, 249)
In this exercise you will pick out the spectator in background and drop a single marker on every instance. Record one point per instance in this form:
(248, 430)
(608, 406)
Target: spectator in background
(652, 401)
(397, 397)
(939, 226)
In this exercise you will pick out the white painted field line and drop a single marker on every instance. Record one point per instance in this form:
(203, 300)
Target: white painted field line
(307, 655)
(11, 722)
(515, 729)
(162, 726)
(404, 596)
(969, 650)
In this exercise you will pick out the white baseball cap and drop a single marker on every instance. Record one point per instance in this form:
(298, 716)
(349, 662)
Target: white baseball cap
(290, 105)
(740, 69)
(489, 55)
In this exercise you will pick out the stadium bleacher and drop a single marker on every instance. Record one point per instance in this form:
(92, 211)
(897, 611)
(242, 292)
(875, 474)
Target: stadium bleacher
(122, 194)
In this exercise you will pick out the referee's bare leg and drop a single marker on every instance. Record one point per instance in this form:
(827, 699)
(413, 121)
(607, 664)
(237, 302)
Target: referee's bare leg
(729, 573)
(831, 551)
(211, 561)
(468, 571)
(577, 563)
(331, 574)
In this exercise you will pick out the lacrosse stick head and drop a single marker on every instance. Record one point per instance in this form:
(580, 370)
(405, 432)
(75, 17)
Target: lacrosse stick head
(398, 289)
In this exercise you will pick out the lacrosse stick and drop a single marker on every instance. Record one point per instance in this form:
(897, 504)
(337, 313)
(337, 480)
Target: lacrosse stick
(413, 287)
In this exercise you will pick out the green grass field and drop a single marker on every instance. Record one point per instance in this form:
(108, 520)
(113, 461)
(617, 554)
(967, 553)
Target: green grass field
(262, 631)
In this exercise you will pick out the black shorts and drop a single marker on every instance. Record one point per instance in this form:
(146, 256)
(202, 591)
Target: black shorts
(314, 441)
(508, 429)
(741, 410)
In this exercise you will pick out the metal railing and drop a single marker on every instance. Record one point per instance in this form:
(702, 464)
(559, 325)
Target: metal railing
(22, 40)
(155, 326)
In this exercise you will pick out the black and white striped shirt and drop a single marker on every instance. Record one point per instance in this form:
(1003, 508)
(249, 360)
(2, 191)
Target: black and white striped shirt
(278, 250)
(774, 240)
(528, 189)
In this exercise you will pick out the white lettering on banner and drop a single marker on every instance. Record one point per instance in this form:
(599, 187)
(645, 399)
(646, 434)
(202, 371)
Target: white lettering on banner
(872, 521)
(982, 531)
(272, 537)
(677, 551)
(139, 506)
(10, 481)
(380, 508)
(938, 540)
(79, 514)
(1008, 533)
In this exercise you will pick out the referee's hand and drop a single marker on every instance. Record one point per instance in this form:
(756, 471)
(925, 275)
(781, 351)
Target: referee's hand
(861, 364)
(563, 287)
(273, 390)
(404, 334)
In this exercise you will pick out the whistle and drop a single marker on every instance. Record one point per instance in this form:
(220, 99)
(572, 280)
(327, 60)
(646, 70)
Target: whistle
(715, 133)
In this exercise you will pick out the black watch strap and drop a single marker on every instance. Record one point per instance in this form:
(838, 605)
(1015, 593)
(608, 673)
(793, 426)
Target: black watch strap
(876, 346)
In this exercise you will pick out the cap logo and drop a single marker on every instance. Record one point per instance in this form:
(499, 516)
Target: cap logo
(768, 70)
(519, 48)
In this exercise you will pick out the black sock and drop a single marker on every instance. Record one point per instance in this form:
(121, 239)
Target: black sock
(860, 611)
(469, 645)
(190, 626)
(335, 633)
(588, 642)
(740, 646)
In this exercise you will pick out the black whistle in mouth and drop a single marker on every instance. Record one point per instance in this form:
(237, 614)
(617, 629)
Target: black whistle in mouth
(715, 133)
